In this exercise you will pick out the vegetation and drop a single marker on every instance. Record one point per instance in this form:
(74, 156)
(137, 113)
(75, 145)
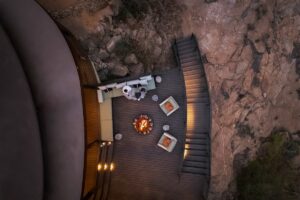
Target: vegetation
(127, 46)
(124, 47)
(138, 8)
(271, 176)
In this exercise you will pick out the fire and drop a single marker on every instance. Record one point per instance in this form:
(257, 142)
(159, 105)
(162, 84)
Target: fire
(143, 124)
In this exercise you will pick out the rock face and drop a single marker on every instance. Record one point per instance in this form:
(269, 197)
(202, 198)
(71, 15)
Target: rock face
(112, 43)
(136, 70)
(253, 64)
(131, 59)
(252, 53)
(100, 25)
(103, 55)
(119, 70)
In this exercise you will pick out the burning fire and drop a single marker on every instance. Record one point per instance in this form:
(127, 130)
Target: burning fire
(143, 124)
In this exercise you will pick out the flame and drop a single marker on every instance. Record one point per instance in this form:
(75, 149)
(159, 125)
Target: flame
(143, 124)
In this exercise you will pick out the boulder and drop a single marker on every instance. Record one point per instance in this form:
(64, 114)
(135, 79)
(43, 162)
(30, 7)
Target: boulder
(103, 54)
(131, 59)
(136, 70)
(158, 40)
(103, 74)
(119, 70)
(157, 52)
(112, 43)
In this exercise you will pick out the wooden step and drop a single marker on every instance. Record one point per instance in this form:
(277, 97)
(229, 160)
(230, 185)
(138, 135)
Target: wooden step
(187, 55)
(188, 163)
(196, 93)
(193, 82)
(196, 146)
(180, 40)
(196, 89)
(184, 43)
(194, 76)
(197, 135)
(204, 100)
(196, 155)
(189, 63)
(193, 71)
(194, 170)
(189, 59)
(197, 141)
(198, 158)
(197, 66)
(187, 50)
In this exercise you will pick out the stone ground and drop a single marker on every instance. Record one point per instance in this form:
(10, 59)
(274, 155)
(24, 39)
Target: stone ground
(252, 49)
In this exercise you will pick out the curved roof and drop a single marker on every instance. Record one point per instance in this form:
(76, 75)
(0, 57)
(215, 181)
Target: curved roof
(42, 84)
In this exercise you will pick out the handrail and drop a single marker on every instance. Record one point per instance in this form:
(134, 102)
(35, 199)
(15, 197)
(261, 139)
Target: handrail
(175, 51)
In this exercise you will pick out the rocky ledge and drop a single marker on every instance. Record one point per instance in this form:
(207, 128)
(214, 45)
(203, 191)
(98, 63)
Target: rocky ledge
(252, 49)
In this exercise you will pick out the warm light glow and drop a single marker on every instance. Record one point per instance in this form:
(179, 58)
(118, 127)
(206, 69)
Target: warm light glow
(99, 167)
(190, 117)
(105, 166)
(109, 143)
(185, 153)
(102, 144)
(112, 166)
(143, 124)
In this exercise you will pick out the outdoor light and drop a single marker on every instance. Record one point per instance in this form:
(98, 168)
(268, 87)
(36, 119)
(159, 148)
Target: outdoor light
(102, 144)
(105, 166)
(185, 153)
(112, 166)
(99, 167)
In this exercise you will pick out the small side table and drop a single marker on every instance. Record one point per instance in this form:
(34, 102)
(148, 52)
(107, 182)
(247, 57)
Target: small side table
(118, 136)
(166, 127)
(155, 97)
(158, 79)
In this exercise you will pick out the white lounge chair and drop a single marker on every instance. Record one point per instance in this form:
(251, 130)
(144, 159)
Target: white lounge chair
(171, 144)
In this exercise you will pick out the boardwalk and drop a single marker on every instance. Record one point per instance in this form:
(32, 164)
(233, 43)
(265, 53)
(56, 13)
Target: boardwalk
(143, 170)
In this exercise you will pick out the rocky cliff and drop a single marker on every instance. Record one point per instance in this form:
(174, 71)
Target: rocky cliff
(252, 51)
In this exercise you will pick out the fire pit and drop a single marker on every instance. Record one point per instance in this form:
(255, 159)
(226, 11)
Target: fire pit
(143, 124)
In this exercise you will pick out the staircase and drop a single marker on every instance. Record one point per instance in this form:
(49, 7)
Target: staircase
(105, 168)
(197, 141)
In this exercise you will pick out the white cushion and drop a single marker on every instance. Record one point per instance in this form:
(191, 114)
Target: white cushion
(100, 96)
(149, 77)
(134, 82)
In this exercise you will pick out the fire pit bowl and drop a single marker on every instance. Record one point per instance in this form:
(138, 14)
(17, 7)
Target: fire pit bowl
(143, 124)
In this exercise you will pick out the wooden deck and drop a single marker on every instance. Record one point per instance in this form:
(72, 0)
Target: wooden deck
(142, 169)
